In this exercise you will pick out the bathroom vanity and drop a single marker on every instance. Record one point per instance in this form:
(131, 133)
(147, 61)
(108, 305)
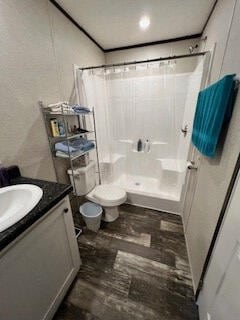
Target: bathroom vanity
(39, 256)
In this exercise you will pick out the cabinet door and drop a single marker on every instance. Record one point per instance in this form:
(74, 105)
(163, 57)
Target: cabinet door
(36, 271)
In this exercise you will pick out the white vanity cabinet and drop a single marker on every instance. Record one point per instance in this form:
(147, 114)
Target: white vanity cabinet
(37, 268)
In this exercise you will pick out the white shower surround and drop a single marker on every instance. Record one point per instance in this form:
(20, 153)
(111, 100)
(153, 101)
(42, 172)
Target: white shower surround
(147, 103)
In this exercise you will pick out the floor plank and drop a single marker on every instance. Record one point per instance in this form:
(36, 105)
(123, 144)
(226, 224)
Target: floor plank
(129, 263)
(145, 252)
(67, 311)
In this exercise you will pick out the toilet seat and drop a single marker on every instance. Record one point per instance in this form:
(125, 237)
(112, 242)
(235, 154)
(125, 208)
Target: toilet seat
(108, 195)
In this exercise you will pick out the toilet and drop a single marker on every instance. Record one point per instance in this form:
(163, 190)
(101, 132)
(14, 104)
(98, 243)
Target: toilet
(109, 197)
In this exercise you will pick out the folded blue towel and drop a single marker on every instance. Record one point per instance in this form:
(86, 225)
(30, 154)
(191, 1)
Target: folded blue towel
(83, 144)
(75, 145)
(78, 143)
(214, 107)
(63, 147)
(80, 109)
(88, 146)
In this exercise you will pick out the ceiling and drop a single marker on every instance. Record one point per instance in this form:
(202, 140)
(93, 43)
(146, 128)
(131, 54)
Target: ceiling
(114, 23)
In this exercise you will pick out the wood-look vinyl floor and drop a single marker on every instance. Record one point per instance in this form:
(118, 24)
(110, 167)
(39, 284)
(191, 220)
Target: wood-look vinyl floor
(135, 268)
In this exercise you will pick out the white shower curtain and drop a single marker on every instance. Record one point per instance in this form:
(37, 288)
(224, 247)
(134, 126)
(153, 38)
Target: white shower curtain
(93, 94)
(144, 102)
(147, 103)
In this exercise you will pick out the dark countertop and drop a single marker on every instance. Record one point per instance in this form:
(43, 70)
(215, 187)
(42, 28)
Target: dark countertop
(52, 194)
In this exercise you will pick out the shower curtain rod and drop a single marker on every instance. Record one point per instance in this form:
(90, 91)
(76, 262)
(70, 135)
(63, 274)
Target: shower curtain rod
(146, 61)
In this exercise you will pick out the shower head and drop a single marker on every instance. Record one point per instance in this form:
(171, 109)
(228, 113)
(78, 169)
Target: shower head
(192, 48)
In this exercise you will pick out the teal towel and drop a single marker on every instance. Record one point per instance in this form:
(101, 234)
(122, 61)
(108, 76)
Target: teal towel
(214, 107)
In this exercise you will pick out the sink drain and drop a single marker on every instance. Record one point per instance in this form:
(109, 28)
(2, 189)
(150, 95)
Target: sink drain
(137, 183)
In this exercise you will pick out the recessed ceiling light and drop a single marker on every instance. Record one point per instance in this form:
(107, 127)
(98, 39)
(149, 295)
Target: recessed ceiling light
(144, 22)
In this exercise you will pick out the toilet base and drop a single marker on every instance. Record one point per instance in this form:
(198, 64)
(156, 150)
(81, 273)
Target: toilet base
(110, 214)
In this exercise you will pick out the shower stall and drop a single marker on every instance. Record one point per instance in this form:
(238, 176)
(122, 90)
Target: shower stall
(152, 102)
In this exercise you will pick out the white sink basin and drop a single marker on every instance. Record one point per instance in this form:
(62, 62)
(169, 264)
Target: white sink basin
(16, 202)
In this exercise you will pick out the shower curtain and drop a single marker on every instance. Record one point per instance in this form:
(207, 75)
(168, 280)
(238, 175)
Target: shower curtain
(92, 92)
(144, 102)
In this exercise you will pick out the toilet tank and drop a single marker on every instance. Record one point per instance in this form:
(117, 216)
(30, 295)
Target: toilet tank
(84, 177)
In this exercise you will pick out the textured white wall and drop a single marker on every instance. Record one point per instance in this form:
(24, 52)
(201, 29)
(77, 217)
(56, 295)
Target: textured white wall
(152, 52)
(38, 47)
(219, 179)
(214, 174)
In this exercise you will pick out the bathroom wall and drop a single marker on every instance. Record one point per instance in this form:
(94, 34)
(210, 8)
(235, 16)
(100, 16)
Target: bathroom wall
(214, 175)
(209, 296)
(38, 49)
(155, 51)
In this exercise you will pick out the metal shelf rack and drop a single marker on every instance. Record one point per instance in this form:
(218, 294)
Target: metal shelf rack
(68, 136)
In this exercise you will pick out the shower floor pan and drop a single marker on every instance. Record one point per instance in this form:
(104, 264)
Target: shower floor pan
(145, 192)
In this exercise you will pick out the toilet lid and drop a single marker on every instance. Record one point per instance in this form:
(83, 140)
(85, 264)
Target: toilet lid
(109, 194)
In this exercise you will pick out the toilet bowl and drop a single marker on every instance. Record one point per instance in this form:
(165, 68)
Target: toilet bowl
(109, 197)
